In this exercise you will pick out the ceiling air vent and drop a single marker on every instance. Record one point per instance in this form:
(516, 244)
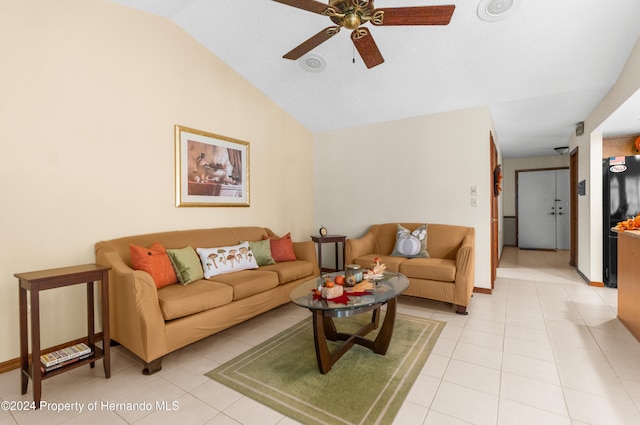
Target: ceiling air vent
(497, 10)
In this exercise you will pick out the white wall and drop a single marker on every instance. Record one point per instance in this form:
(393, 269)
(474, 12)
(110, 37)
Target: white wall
(90, 94)
(590, 167)
(412, 170)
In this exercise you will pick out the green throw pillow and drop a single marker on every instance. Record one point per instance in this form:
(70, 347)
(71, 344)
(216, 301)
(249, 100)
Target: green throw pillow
(262, 252)
(187, 264)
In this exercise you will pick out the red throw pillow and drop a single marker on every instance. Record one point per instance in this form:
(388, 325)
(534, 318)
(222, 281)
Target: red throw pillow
(282, 249)
(155, 261)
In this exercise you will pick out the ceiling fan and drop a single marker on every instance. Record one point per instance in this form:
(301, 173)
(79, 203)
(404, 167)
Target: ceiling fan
(351, 14)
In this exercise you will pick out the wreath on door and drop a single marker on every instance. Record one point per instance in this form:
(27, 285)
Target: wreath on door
(497, 180)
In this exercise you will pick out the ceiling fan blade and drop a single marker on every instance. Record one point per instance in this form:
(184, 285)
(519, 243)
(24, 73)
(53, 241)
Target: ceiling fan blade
(367, 47)
(310, 5)
(418, 15)
(312, 43)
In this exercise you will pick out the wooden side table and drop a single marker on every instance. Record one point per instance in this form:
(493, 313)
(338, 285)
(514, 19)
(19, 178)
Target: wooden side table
(336, 239)
(56, 278)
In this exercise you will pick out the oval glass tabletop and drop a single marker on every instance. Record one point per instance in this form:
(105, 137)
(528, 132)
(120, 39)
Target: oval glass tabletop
(390, 286)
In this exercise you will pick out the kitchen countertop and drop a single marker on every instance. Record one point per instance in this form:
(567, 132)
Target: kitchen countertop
(633, 233)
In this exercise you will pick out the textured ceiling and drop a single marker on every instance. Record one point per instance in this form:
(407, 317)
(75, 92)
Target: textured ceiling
(541, 70)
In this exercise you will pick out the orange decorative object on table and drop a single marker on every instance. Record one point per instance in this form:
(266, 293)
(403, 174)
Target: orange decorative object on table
(629, 224)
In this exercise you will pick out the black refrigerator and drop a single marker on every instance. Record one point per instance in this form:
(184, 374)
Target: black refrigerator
(620, 201)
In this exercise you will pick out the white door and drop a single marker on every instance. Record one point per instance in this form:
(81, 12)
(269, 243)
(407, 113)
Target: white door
(536, 218)
(543, 209)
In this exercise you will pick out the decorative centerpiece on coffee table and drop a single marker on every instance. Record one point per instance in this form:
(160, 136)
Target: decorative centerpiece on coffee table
(376, 272)
(331, 290)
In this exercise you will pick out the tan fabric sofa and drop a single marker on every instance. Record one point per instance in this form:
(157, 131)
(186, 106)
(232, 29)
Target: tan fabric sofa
(153, 322)
(447, 275)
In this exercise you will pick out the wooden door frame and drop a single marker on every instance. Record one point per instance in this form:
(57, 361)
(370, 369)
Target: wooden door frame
(494, 213)
(573, 220)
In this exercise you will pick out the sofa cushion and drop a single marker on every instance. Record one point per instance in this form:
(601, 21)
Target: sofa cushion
(411, 244)
(282, 248)
(155, 261)
(179, 301)
(246, 283)
(186, 263)
(226, 259)
(392, 263)
(262, 252)
(291, 270)
(429, 268)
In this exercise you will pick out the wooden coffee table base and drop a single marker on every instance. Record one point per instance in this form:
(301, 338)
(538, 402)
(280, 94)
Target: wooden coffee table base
(325, 330)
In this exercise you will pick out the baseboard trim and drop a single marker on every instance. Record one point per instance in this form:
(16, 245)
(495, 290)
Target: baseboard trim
(487, 291)
(15, 363)
(589, 282)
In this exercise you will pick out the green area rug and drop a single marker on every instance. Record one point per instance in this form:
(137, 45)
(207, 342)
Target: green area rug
(361, 388)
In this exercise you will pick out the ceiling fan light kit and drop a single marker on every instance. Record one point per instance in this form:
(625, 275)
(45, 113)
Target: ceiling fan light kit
(496, 10)
(353, 14)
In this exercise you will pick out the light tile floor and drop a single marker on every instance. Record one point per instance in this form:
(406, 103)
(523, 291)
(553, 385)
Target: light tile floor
(544, 349)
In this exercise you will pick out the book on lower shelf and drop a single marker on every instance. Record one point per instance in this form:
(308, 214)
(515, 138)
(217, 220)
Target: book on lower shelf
(44, 368)
(65, 355)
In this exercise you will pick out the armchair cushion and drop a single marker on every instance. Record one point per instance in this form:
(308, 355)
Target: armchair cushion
(429, 268)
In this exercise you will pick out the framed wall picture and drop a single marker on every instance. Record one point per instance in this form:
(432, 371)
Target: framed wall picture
(211, 170)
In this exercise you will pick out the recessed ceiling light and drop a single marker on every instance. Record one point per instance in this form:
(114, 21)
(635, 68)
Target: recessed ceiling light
(497, 10)
(312, 63)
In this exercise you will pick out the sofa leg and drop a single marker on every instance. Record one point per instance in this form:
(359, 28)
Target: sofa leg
(153, 367)
(462, 309)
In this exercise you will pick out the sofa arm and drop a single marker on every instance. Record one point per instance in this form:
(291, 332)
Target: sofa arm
(358, 247)
(307, 251)
(134, 310)
(465, 269)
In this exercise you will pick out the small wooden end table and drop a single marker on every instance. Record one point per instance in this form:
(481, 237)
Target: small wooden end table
(336, 239)
(56, 278)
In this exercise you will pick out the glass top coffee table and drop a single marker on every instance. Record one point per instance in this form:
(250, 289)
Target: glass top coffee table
(384, 291)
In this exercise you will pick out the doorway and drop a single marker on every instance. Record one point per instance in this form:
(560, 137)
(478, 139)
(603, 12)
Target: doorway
(543, 209)
(494, 214)
(573, 173)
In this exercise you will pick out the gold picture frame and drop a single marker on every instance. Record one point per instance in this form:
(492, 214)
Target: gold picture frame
(211, 170)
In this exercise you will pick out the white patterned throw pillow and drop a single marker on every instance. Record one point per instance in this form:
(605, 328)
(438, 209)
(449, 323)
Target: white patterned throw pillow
(226, 259)
(411, 244)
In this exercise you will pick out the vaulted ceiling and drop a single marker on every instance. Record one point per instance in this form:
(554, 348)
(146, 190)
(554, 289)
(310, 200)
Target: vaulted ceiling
(541, 66)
